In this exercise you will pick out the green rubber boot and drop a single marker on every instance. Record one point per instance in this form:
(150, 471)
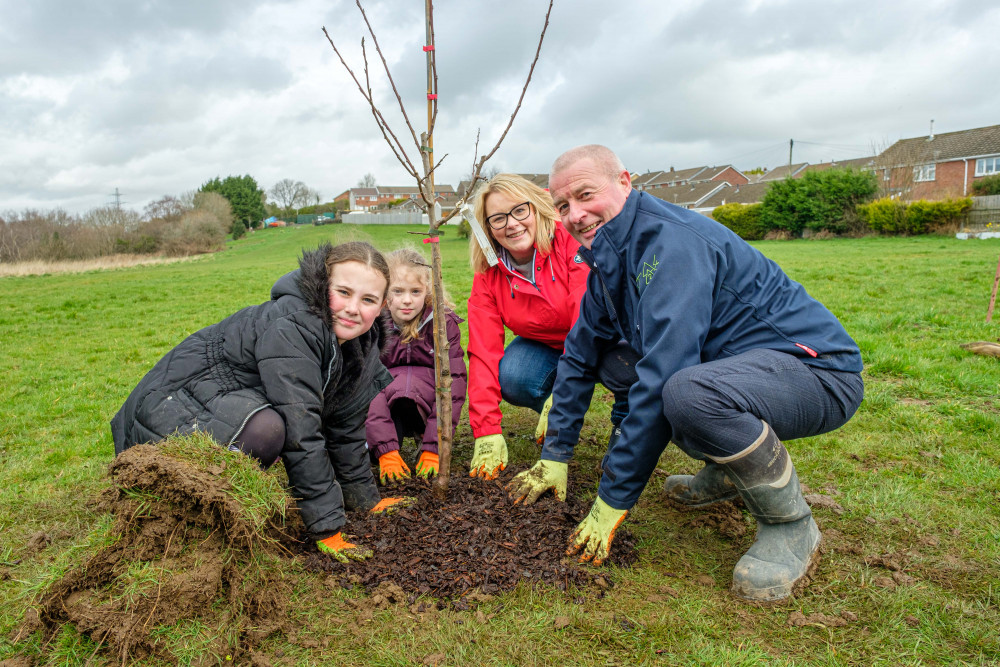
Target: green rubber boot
(785, 551)
(706, 488)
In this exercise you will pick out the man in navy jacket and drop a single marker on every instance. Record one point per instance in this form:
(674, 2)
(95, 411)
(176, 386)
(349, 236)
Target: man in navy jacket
(735, 357)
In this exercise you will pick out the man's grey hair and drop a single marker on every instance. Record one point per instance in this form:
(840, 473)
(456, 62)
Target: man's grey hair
(602, 156)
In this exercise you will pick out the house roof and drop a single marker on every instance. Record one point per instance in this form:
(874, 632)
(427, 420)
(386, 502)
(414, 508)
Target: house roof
(711, 173)
(687, 194)
(853, 163)
(364, 192)
(751, 193)
(782, 172)
(943, 147)
(676, 176)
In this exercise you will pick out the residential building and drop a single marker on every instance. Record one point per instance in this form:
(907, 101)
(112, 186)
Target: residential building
(939, 166)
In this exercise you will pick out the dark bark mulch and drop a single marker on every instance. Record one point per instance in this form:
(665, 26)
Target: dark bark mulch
(475, 539)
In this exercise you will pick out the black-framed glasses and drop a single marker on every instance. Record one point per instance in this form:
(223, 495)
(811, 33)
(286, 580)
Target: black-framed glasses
(499, 220)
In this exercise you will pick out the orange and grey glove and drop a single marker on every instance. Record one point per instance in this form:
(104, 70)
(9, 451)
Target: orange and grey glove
(392, 468)
(341, 549)
(427, 464)
(489, 456)
(538, 479)
(595, 533)
(543, 421)
(390, 505)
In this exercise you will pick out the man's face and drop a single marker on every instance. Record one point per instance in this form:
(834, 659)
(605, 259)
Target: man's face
(586, 197)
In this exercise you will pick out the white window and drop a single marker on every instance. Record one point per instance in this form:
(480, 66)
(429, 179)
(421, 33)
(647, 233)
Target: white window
(988, 166)
(924, 172)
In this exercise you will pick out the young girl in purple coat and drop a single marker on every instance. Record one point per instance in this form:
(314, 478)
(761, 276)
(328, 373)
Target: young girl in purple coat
(407, 406)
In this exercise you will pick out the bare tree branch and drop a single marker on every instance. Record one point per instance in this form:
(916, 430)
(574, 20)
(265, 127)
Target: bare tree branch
(383, 126)
(434, 115)
(388, 75)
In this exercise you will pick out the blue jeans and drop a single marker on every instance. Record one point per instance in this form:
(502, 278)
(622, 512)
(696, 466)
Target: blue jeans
(716, 408)
(528, 372)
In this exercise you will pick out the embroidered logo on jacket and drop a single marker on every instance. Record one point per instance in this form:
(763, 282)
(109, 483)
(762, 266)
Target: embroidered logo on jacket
(646, 273)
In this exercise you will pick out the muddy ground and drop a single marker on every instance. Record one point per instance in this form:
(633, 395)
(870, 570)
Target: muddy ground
(475, 539)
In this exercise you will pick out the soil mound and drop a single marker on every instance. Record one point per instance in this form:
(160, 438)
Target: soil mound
(476, 538)
(178, 541)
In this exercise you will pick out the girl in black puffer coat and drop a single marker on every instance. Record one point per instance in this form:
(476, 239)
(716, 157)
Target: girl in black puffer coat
(292, 376)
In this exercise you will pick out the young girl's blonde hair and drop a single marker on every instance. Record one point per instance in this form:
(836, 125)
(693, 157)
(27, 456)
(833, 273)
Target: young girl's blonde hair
(519, 189)
(409, 259)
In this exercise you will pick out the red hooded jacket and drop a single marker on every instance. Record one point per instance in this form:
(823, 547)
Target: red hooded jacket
(544, 311)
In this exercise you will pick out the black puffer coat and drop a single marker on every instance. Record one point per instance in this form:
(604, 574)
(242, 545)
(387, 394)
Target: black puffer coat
(281, 354)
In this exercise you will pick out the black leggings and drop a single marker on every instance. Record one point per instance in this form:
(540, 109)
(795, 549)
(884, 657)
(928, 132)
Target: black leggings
(263, 437)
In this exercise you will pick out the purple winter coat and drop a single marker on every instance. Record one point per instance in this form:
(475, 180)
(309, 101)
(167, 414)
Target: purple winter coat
(412, 368)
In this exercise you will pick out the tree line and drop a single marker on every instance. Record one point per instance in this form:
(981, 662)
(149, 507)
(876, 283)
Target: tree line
(195, 222)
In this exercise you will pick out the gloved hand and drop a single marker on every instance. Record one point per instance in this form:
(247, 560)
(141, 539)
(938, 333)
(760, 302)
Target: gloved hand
(392, 468)
(543, 421)
(489, 457)
(341, 549)
(595, 532)
(390, 505)
(427, 464)
(538, 479)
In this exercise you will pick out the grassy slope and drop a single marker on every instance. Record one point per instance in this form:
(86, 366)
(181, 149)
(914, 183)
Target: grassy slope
(917, 470)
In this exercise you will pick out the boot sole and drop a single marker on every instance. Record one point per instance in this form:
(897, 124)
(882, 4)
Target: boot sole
(798, 585)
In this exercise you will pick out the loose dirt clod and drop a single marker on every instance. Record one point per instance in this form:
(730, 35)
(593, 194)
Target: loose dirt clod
(475, 539)
(181, 548)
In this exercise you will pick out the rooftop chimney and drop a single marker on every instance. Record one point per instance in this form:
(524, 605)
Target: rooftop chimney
(931, 137)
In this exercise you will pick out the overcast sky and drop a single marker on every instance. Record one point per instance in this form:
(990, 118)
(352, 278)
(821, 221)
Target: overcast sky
(155, 97)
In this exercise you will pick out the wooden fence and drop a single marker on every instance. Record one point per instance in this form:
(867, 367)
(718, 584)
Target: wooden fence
(985, 210)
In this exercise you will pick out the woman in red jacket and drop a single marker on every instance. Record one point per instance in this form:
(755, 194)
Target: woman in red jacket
(534, 291)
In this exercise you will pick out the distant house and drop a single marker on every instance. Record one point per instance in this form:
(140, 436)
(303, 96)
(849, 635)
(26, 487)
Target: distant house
(541, 180)
(652, 180)
(688, 195)
(939, 166)
(783, 172)
(365, 199)
(859, 163)
(751, 193)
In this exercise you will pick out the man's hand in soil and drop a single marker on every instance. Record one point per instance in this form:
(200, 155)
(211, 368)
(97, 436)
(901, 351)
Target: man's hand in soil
(532, 483)
(390, 505)
(392, 468)
(543, 421)
(489, 457)
(342, 550)
(427, 464)
(594, 534)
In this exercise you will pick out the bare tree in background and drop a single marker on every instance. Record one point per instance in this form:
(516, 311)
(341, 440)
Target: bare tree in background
(422, 170)
(368, 180)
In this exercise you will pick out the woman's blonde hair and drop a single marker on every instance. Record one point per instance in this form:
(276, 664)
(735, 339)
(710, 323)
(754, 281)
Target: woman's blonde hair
(519, 189)
(408, 259)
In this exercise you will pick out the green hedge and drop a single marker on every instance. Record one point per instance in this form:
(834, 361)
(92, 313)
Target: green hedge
(890, 216)
(983, 187)
(744, 219)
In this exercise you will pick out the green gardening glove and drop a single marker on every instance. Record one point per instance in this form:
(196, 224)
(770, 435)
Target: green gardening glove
(543, 421)
(489, 457)
(342, 550)
(538, 479)
(594, 534)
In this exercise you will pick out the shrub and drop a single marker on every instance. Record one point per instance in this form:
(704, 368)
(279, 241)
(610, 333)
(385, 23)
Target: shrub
(927, 216)
(886, 216)
(238, 230)
(464, 229)
(196, 232)
(819, 200)
(990, 185)
(744, 219)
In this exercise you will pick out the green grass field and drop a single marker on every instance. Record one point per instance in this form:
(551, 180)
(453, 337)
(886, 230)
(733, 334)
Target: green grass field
(911, 573)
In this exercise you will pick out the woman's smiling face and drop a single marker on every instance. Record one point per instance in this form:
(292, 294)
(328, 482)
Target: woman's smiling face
(518, 236)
